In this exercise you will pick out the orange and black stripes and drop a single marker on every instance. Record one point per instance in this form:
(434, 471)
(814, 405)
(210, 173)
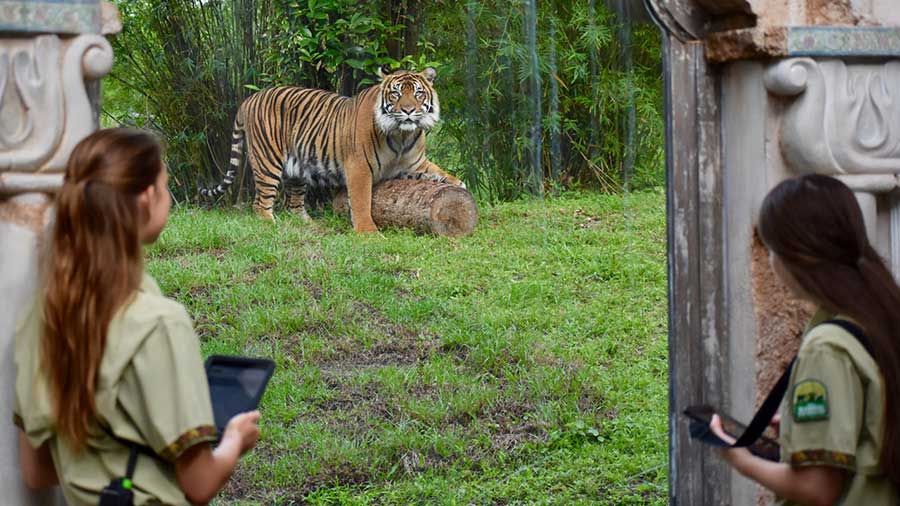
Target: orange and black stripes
(306, 137)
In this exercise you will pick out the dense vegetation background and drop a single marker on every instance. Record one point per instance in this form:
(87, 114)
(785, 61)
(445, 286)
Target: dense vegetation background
(183, 67)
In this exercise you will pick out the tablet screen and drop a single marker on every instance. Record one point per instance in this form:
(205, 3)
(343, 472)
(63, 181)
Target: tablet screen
(236, 385)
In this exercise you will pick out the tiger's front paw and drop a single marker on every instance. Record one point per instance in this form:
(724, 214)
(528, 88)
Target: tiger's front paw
(265, 214)
(301, 213)
(453, 180)
(365, 226)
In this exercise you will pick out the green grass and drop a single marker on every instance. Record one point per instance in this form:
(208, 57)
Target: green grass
(524, 364)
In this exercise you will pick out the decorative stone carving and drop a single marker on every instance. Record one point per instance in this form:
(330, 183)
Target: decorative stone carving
(766, 42)
(30, 69)
(44, 105)
(50, 16)
(840, 118)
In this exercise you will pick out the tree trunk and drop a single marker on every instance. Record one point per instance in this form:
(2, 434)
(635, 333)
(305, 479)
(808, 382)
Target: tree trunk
(411, 37)
(424, 206)
(394, 8)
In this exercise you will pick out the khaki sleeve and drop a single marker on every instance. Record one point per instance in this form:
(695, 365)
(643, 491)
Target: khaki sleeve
(825, 408)
(165, 390)
(32, 406)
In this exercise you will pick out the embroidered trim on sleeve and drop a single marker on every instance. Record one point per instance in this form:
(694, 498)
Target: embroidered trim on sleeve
(193, 437)
(823, 458)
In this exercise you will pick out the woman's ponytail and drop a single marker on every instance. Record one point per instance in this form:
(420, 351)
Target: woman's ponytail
(93, 265)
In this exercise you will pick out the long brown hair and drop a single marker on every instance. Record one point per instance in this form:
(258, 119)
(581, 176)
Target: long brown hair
(93, 265)
(814, 224)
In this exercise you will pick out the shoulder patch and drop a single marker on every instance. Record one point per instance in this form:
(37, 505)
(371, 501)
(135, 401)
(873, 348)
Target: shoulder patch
(810, 401)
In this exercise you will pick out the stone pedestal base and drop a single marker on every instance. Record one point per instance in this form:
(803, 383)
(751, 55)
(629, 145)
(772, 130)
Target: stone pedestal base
(21, 219)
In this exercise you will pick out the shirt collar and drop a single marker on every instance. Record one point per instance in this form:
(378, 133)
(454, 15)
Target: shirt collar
(148, 285)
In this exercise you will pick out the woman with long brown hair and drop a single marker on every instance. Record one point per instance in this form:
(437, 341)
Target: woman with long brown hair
(105, 363)
(840, 419)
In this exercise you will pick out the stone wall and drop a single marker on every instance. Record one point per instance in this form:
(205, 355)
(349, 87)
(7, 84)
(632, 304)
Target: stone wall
(826, 12)
(52, 54)
(21, 219)
(759, 91)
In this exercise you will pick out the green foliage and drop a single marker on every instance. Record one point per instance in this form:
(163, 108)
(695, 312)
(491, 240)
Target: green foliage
(599, 82)
(183, 67)
(524, 364)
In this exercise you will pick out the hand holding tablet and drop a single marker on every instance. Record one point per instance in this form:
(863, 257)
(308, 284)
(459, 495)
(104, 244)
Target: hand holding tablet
(700, 418)
(236, 385)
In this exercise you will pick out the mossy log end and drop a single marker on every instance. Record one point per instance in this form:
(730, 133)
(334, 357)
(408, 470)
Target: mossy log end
(424, 206)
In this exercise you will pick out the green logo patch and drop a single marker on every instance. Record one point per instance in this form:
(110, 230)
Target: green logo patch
(810, 401)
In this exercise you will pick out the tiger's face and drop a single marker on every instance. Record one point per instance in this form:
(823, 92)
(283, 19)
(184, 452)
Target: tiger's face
(408, 101)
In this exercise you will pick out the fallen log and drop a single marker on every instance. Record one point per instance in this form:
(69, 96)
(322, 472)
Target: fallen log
(424, 206)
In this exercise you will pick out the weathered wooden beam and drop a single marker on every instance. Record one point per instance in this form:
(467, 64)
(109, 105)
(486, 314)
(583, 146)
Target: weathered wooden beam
(696, 302)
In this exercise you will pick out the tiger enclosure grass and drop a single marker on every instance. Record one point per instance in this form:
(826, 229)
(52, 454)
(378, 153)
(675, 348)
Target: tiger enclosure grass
(524, 364)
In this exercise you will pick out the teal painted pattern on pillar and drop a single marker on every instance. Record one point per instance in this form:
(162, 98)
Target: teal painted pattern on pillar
(50, 16)
(843, 41)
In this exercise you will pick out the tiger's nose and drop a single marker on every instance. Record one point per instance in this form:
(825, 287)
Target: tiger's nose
(409, 112)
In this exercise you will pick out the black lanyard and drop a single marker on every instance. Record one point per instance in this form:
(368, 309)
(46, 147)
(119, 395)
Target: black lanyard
(699, 426)
(776, 395)
(119, 491)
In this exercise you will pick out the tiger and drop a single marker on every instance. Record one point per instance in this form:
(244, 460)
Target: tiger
(303, 137)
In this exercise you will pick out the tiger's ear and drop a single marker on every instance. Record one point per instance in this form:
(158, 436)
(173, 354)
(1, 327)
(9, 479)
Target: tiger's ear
(382, 72)
(429, 73)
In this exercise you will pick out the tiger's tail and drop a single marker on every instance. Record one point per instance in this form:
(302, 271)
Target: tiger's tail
(237, 151)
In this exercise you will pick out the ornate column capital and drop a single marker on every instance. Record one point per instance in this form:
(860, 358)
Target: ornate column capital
(44, 105)
(839, 117)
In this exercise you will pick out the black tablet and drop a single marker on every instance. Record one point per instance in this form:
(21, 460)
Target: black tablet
(700, 416)
(236, 385)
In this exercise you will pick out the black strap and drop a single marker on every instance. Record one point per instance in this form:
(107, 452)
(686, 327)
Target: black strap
(855, 331)
(770, 405)
(132, 462)
(767, 410)
(134, 448)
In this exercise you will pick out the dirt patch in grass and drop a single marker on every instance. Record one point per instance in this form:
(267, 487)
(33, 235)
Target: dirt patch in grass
(331, 473)
(512, 429)
(254, 272)
(238, 487)
(184, 254)
(405, 350)
(360, 408)
(403, 293)
(191, 295)
(199, 292)
(314, 289)
(369, 312)
(344, 473)
(361, 401)
(396, 344)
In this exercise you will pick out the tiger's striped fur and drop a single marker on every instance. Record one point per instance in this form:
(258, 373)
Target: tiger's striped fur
(299, 137)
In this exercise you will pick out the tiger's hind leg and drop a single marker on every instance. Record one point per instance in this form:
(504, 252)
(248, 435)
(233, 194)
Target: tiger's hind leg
(267, 177)
(295, 194)
(294, 187)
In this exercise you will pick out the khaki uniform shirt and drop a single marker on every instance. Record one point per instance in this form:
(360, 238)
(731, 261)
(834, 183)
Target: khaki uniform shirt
(152, 389)
(832, 413)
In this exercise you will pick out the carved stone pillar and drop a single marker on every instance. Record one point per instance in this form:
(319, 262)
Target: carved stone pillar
(51, 54)
(758, 91)
(843, 119)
